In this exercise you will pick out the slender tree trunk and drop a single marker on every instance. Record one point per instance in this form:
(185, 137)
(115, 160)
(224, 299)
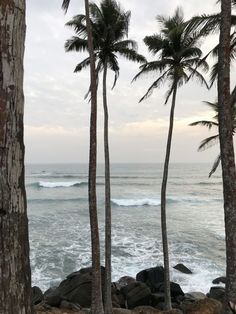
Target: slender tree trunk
(15, 276)
(163, 205)
(108, 302)
(97, 304)
(227, 149)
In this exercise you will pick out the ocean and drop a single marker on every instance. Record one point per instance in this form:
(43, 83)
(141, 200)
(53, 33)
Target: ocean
(59, 221)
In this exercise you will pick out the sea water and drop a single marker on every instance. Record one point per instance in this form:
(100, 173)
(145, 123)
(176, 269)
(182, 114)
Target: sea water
(59, 227)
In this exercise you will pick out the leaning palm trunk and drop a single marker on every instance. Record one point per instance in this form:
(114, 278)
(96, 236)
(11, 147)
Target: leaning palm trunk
(227, 151)
(97, 305)
(108, 303)
(15, 276)
(163, 205)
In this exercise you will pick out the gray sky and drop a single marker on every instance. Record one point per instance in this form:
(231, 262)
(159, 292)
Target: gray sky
(57, 117)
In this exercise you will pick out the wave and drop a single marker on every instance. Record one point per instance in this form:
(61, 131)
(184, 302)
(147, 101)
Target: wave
(44, 184)
(56, 200)
(138, 202)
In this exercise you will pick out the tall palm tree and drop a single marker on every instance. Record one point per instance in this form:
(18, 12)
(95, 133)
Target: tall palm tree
(15, 274)
(178, 56)
(214, 139)
(97, 304)
(110, 25)
(227, 151)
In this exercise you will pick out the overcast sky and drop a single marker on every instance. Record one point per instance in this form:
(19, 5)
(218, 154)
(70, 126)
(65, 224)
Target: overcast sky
(57, 116)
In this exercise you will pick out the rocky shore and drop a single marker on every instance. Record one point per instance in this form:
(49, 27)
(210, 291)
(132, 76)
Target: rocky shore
(143, 294)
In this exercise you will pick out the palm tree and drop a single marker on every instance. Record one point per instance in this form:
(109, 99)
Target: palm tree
(208, 24)
(97, 304)
(227, 151)
(179, 56)
(110, 25)
(15, 274)
(214, 139)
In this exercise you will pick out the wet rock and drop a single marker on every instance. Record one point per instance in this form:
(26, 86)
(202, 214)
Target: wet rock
(37, 295)
(217, 293)
(124, 281)
(152, 277)
(76, 288)
(206, 306)
(219, 280)
(183, 269)
(118, 299)
(136, 293)
(175, 289)
(195, 296)
(68, 305)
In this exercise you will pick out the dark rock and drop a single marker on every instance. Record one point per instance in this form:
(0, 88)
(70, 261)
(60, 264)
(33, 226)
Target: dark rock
(136, 293)
(118, 299)
(217, 293)
(157, 298)
(175, 289)
(37, 295)
(70, 306)
(152, 277)
(146, 310)
(195, 296)
(219, 280)
(183, 269)
(206, 306)
(124, 281)
(76, 288)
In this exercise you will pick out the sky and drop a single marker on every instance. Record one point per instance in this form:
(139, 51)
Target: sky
(57, 116)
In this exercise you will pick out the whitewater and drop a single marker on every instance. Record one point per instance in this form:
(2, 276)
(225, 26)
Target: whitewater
(59, 221)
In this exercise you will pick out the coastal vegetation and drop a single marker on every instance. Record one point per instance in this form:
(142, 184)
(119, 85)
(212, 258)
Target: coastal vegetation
(102, 31)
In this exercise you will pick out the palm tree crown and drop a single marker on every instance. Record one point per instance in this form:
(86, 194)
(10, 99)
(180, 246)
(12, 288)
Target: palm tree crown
(214, 139)
(178, 54)
(109, 25)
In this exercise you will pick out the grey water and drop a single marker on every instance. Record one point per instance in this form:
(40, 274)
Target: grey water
(59, 221)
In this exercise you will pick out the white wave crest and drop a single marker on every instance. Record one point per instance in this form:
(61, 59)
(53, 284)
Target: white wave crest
(58, 184)
(138, 202)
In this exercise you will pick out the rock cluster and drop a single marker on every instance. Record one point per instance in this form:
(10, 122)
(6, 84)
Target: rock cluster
(143, 294)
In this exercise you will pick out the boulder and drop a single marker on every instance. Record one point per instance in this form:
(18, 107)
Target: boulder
(146, 310)
(206, 306)
(175, 289)
(124, 281)
(217, 293)
(152, 277)
(118, 299)
(195, 296)
(219, 280)
(183, 269)
(157, 298)
(136, 293)
(76, 288)
(37, 295)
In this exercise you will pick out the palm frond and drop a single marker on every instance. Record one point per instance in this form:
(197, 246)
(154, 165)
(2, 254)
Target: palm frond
(156, 84)
(65, 5)
(158, 66)
(208, 142)
(76, 44)
(208, 124)
(132, 55)
(82, 65)
(215, 165)
(130, 44)
(196, 74)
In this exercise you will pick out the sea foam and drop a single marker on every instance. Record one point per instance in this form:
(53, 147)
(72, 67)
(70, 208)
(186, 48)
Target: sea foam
(138, 202)
(45, 184)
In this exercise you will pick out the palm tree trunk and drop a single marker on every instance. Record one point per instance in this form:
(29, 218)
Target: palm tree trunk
(163, 205)
(15, 275)
(227, 150)
(108, 302)
(97, 305)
